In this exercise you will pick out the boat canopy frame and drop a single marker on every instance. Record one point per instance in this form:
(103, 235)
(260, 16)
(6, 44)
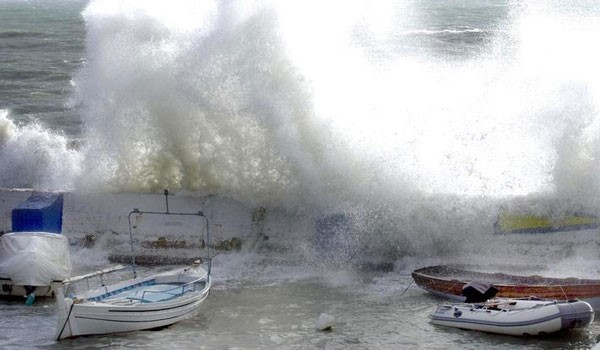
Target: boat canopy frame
(139, 212)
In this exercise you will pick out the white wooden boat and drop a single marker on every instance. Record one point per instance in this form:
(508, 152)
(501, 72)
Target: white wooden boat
(141, 303)
(151, 302)
(520, 317)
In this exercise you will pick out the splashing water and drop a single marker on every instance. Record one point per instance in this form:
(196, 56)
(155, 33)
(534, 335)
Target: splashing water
(22, 147)
(409, 122)
(415, 118)
(247, 100)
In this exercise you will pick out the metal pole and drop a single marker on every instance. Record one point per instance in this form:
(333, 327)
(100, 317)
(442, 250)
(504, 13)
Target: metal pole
(134, 211)
(167, 199)
(199, 213)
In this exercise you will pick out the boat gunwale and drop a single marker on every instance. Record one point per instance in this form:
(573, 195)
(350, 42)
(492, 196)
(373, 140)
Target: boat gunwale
(103, 294)
(135, 306)
(508, 280)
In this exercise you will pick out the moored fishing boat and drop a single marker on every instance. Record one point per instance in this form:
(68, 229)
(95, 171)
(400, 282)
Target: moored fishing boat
(448, 282)
(154, 301)
(142, 303)
(521, 317)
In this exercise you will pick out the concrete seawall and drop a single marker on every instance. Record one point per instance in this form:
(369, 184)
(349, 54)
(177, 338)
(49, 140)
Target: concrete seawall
(101, 219)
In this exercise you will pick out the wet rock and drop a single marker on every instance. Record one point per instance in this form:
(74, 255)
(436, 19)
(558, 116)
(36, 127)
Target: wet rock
(164, 243)
(228, 244)
(88, 240)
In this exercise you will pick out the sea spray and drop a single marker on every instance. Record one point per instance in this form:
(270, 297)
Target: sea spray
(417, 125)
(176, 108)
(7, 127)
(33, 157)
(244, 100)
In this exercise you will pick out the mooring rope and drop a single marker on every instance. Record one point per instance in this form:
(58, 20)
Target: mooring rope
(66, 321)
(563, 291)
(405, 289)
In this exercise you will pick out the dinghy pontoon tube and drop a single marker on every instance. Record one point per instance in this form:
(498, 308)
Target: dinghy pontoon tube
(525, 316)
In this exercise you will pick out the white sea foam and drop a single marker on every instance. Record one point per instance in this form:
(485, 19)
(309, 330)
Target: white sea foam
(7, 127)
(32, 156)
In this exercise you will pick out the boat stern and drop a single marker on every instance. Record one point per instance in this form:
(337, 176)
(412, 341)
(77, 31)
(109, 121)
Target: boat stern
(576, 314)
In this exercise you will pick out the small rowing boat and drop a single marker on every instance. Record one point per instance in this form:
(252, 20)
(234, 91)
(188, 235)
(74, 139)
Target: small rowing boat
(151, 302)
(142, 303)
(448, 282)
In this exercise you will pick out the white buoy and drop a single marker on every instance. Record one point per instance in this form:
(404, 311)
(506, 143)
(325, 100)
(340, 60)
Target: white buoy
(325, 322)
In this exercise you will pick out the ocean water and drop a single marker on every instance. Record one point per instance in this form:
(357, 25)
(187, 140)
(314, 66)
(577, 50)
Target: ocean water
(415, 121)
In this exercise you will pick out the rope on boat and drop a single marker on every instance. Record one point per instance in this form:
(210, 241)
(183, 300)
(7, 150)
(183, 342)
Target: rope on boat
(66, 321)
(406, 289)
(563, 291)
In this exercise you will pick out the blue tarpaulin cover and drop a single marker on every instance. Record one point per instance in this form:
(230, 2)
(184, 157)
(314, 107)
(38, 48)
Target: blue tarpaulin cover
(42, 211)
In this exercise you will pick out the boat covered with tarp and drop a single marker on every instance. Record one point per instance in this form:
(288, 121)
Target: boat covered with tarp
(34, 254)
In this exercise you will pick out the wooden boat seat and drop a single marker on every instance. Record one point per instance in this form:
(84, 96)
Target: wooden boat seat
(158, 292)
(150, 293)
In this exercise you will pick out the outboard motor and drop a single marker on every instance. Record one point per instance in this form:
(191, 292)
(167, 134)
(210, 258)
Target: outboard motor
(479, 292)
